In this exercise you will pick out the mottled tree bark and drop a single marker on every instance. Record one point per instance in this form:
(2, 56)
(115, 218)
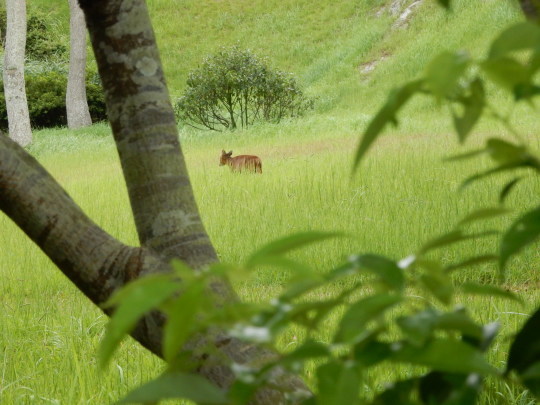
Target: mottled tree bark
(78, 114)
(95, 261)
(144, 128)
(14, 88)
(161, 197)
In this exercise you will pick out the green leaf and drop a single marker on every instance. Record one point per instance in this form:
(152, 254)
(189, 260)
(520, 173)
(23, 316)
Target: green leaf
(396, 99)
(505, 192)
(489, 333)
(310, 314)
(459, 321)
(444, 3)
(418, 327)
(181, 319)
(440, 285)
(287, 244)
(385, 269)
(489, 290)
(522, 36)
(371, 352)
(449, 388)
(177, 385)
(525, 91)
(525, 353)
(532, 372)
(443, 72)
(506, 72)
(473, 106)
(471, 262)
(241, 392)
(448, 355)
(523, 232)
(466, 155)
(308, 350)
(504, 152)
(483, 213)
(360, 313)
(531, 379)
(133, 301)
(300, 287)
(451, 238)
(495, 170)
(338, 383)
(398, 393)
(283, 262)
(183, 271)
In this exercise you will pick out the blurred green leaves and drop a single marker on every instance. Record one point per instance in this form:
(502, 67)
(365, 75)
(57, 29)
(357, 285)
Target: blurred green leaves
(384, 311)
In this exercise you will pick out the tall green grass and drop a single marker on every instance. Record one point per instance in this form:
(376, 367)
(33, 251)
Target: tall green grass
(401, 196)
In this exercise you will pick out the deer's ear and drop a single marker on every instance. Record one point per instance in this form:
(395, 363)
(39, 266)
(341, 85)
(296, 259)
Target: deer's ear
(223, 152)
(230, 153)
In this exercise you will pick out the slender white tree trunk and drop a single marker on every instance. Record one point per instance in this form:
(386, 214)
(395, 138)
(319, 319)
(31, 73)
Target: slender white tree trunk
(14, 90)
(77, 111)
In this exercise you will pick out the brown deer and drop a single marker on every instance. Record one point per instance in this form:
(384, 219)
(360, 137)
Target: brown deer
(239, 163)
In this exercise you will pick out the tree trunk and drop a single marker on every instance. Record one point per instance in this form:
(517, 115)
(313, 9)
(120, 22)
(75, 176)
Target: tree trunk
(161, 197)
(14, 89)
(78, 115)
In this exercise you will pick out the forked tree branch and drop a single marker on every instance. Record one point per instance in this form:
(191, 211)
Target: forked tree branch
(99, 264)
(91, 258)
(160, 193)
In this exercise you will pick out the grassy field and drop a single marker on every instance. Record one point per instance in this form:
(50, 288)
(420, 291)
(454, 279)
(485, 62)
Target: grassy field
(401, 196)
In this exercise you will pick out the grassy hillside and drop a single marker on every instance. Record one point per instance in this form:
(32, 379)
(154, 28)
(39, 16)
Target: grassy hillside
(326, 43)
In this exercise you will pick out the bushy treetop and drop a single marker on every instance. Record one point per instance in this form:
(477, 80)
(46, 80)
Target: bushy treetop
(235, 88)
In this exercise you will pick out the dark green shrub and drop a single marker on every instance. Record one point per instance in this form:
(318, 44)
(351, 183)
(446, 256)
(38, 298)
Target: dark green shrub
(95, 97)
(41, 41)
(235, 88)
(46, 95)
(40, 44)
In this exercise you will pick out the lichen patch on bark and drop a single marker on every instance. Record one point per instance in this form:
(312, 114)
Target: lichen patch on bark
(112, 56)
(132, 20)
(147, 66)
(172, 221)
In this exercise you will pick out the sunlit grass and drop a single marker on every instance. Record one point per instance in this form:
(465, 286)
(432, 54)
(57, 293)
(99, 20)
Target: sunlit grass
(402, 195)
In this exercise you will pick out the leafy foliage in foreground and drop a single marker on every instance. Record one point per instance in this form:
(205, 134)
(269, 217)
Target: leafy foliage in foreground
(235, 88)
(382, 324)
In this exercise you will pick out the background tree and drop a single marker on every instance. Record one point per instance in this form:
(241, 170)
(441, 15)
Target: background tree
(166, 216)
(14, 86)
(78, 114)
(235, 88)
